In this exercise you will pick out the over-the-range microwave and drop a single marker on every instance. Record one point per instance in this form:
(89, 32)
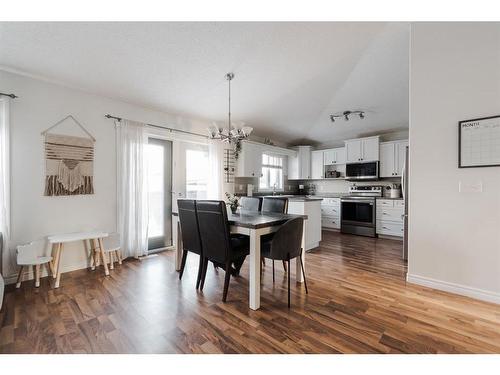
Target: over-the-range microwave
(362, 171)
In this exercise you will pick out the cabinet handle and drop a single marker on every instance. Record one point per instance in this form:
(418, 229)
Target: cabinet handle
(385, 228)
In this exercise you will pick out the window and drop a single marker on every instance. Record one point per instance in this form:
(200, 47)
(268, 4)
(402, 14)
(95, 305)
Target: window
(272, 173)
(197, 172)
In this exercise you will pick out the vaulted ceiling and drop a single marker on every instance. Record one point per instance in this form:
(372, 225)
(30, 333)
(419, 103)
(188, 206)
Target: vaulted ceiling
(288, 76)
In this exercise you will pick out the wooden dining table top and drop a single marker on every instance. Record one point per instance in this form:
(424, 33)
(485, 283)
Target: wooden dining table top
(257, 220)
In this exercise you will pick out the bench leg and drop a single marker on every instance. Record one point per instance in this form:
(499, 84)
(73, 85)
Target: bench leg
(37, 276)
(19, 276)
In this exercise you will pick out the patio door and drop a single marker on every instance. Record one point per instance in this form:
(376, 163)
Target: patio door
(159, 161)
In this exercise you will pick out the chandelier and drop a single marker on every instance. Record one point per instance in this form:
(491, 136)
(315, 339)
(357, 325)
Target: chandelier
(231, 134)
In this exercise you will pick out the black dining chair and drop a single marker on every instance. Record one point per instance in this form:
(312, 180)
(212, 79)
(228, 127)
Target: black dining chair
(190, 232)
(219, 247)
(278, 205)
(253, 204)
(285, 245)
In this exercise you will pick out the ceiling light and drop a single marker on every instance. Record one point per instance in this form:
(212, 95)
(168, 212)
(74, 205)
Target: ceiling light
(346, 115)
(230, 134)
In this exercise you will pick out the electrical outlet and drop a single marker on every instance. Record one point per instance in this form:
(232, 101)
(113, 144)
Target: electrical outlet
(470, 187)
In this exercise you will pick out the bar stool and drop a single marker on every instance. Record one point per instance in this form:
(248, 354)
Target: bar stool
(32, 255)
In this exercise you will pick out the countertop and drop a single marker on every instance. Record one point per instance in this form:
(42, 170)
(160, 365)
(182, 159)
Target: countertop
(294, 198)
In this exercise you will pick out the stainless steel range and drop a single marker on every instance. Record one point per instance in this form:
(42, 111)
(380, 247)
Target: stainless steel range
(358, 210)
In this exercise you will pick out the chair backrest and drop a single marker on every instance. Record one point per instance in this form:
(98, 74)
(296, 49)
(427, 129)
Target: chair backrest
(278, 205)
(214, 230)
(112, 242)
(29, 253)
(190, 230)
(287, 240)
(251, 203)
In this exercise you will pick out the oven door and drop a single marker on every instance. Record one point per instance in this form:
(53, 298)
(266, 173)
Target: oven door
(358, 212)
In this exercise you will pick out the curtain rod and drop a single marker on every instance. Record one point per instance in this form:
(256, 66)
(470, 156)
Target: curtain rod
(119, 119)
(13, 96)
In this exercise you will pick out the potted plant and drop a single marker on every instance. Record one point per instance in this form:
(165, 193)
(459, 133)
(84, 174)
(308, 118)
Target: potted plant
(233, 201)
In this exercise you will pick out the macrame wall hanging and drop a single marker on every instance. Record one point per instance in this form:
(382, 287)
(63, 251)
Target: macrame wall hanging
(69, 162)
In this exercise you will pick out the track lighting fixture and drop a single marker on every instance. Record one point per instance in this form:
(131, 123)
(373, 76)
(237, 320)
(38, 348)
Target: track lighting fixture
(346, 115)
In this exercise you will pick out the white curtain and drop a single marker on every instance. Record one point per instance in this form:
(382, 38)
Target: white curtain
(4, 179)
(216, 160)
(132, 188)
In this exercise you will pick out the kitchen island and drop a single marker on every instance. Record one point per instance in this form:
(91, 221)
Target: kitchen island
(310, 206)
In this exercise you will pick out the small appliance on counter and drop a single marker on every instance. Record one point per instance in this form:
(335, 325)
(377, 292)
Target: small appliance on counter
(302, 190)
(249, 190)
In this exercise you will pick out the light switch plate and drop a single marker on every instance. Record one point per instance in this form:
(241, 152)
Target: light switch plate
(470, 187)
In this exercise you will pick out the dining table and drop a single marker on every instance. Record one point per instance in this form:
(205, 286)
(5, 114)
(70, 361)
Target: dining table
(254, 225)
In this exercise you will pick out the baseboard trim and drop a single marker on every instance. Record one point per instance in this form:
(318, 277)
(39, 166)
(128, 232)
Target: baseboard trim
(463, 290)
(28, 275)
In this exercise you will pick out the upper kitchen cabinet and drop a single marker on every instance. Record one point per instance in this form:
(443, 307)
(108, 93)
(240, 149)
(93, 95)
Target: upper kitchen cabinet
(334, 156)
(299, 166)
(249, 163)
(392, 158)
(362, 149)
(317, 166)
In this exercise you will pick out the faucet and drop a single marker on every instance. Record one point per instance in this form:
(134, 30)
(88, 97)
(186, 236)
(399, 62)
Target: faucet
(274, 189)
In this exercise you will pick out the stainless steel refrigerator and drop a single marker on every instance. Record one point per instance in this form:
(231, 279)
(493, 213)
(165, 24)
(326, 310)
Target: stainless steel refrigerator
(405, 188)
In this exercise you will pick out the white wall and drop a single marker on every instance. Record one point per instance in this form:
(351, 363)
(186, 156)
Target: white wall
(41, 104)
(454, 241)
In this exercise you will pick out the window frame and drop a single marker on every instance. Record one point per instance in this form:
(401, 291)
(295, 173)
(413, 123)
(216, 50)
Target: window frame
(273, 166)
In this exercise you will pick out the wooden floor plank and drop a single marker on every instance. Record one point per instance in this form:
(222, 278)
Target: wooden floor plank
(358, 302)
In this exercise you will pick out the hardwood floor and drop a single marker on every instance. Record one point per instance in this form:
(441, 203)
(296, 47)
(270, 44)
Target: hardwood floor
(358, 302)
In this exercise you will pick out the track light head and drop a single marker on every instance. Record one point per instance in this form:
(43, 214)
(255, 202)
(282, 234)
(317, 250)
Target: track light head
(361, 115)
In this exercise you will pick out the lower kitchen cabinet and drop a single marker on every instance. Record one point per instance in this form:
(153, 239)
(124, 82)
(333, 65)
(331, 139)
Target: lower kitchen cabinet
(390, 217)
(330, 213)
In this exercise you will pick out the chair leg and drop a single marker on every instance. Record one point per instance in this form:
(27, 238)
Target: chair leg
(183, 263)
(111, 261)
(284, 266)
(204, 273)
(37, 276)
(288, 283)
(18, 282)
(226, 281)
(200, 270)
(303, 272)
(273, 271)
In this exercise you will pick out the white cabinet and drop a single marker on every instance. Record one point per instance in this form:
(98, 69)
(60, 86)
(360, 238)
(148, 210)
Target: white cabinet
(299, 167)
(249, 163)
(389, 217)
(312, 209)
(330, 213)
(392, 158)
(362, 149)
(334, 156)
(317, 167)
